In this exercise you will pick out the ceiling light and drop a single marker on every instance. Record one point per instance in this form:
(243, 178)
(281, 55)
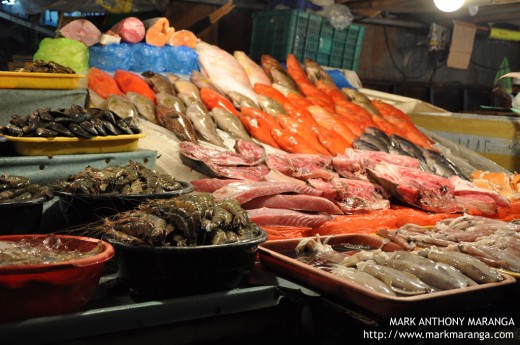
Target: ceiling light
(448, 5)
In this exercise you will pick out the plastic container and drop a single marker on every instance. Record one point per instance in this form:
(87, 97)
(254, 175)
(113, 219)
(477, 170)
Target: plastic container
(78, 209)
(37, 146)
(21, 217)
(35, 80)
(164, 272)
(28, 291)
(280, 32)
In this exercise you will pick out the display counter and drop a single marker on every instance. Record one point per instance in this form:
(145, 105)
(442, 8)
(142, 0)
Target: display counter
(271, 310)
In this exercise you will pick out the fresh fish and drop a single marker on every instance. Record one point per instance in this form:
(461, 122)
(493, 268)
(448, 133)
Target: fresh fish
(360, 144)
(467, 188)
(270, 106)
(431, 272)
(254, 72)
(375, 141)
(247, 191)
(188, 99)
(240, 101)
(167, 102)
(315, 72)
(440, 165)
(229, 123)
(277, 73)
(283, 89)
(180, 125)
(186, 87)
(284, 216)
(363, 279)
(255, 155)
(122, 106)
(470, 266)
(204, 124)
(144, 106)
(209, 185)
(379, 134)
(359, 98)
(159, 82)
(407, 146)
(426, 191)
(403, 283)
(223, 70)
(172, 77)
(201, 81)
(297, 202)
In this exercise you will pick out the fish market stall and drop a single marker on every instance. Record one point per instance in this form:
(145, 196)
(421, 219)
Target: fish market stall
(240, 195)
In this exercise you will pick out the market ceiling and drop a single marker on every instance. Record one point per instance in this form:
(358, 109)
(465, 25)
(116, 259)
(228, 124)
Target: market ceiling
(475, 11)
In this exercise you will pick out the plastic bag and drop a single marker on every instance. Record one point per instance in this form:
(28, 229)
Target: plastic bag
(66, 52)
(147, 58)
(181, 59)
(110, 57)
(338, 15)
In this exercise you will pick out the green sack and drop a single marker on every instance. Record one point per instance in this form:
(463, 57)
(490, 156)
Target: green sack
(66, 52)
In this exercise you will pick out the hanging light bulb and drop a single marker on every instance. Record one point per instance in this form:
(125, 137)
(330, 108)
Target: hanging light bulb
(448, 5)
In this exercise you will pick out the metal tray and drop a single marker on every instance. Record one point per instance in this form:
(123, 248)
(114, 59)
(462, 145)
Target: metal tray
(278, 256)
(35, 80)
(37, 146)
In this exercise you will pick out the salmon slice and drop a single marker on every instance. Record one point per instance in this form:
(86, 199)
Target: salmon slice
(183, 38)
(158, 31)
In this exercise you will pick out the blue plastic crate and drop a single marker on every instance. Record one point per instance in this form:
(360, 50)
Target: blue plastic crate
(280, 32)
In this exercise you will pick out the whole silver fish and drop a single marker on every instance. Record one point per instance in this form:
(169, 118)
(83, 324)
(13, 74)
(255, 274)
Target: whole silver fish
(144, 106)
(360, 99)
(229, 123)
(407, 146)
(240, 100)
(270, 106)
(188, 99)
(440, 165)
(204, 124)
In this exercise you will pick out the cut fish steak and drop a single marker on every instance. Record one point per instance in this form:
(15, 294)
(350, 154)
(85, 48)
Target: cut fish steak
(277, 216)
(298, 202)
(245, 191)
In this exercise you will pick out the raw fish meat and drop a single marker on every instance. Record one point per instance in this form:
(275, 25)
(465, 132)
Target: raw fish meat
(245, 191)
(276, 216)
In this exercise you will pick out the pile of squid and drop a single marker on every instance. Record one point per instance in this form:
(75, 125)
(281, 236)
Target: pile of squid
(18, 188)
(183, 221)
(399, 273)
(75, 121)
(492, 241)
(131, 179)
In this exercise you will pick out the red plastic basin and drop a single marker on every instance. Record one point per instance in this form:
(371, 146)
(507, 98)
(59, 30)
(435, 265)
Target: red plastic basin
(28, 291)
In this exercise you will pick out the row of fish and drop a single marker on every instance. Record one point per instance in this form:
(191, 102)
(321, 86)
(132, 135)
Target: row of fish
(493, 241)
(309, 190)
(399, 273)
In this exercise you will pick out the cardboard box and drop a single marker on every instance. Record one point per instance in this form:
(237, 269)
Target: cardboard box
(461, 46)
(494, 137)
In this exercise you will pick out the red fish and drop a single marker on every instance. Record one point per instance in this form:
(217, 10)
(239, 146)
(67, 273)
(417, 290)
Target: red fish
(131, 82)
(212, 99)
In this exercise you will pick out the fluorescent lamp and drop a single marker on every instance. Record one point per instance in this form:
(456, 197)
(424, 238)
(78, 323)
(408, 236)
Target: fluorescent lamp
(448, 5)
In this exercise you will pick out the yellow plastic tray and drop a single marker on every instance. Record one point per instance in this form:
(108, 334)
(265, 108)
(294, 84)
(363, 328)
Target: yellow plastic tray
(34, 80)
(37, 146)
